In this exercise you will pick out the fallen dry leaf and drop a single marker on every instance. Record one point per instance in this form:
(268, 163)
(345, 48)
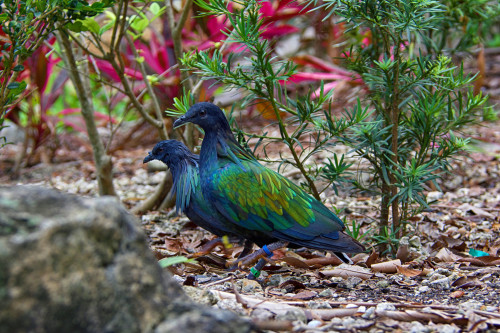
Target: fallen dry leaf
(343, 272)
(323, 261)
(408, 272)
(305, 295)
(466, 207)
(372, 259)
(328, 314)
(387, 267)
(482, 261)
(445, 255)
(457, 293)
(295, 262)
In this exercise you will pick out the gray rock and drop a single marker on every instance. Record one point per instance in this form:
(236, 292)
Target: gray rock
(447, 329)
(72, 264)
(386, 307)
(262, 314)
(369, 313)
(318, 305)
(250, 286)
(314, 324)
(292, 315)
(434, 196)
(326, 293)
(417, 327)
(443, 283)
(423, 289)
(383, 284)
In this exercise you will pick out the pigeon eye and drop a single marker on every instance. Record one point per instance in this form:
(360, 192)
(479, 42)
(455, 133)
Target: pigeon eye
(203, 112)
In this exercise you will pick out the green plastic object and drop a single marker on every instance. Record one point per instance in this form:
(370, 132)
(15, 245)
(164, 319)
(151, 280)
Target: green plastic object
(477, 253)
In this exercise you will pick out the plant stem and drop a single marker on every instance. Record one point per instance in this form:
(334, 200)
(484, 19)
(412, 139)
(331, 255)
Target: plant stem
(176, 33)
(79, 76)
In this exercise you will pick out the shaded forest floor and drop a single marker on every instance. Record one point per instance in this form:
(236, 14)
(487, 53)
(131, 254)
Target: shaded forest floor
(432, 284)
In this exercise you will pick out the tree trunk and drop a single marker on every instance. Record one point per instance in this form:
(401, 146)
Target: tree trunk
(78, 72)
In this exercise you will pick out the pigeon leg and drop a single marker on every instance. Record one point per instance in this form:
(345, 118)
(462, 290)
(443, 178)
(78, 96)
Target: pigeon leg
(210, 245)
(247, 248)
(265, 251)
(255, 270)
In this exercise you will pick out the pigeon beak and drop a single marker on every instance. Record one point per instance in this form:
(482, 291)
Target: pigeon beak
(179, 122)
(148, 158)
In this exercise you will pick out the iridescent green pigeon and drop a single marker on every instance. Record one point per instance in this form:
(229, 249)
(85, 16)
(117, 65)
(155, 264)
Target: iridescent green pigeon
(183, 165)
(255, 198)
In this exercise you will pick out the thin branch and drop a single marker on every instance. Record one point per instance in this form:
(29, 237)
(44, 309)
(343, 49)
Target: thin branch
(156, 104)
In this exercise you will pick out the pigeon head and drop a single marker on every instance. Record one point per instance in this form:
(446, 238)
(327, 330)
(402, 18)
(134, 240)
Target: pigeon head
(170, 152)
(206, 115)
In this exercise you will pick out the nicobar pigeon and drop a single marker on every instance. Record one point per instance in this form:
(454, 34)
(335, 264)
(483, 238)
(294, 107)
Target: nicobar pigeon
(183, 165)
(255, 198)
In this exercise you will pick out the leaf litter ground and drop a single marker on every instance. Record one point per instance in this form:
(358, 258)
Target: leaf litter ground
(433, 284)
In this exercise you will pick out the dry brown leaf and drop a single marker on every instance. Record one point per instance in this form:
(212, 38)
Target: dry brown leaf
(329, 314)
(360, 257)
(466, 207)
(457, 294)
(456, 244)
(323, 261)
(295, 262)
(372, 259)
(465, 282)
(482, 261)
(412, 315)
(257, 303)
(292, 285)
(343, 272)
(476, 322)
(403, 253)
(445, 255)
(408, 272)
(305, 295)
(387, 267)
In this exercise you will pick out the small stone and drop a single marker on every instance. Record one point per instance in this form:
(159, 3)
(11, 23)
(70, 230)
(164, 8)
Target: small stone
(434, 196)
(201, 296)
(326, 293)
(250, 286)
(470, 305)
(262, 314)
(274, 280)
(354, 281)
(417, 327)
(447, 329)
(463, 192)
(443, 283)
(386, 307)
(415, 242)
(436, 276)
(318, 305)
(442, 271)
(292, 315)
(423, 289)
(383, 284)
(369, 313)
(233, 305)
(314, 323)
(336, 279)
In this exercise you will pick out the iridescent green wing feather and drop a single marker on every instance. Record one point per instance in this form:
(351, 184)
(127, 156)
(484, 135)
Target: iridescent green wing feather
(261, 199)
